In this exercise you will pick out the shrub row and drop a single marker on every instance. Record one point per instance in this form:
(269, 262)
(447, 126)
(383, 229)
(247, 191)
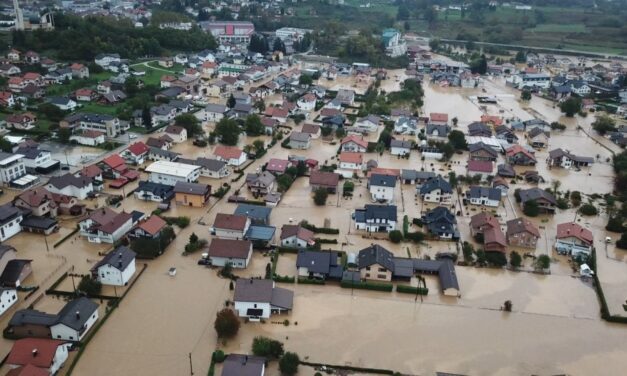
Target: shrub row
(283, 279)
(388, 287)
(412, 290)
(311, 281)
(326, 241)
(320, 230)
(350, 368)
(287, 250)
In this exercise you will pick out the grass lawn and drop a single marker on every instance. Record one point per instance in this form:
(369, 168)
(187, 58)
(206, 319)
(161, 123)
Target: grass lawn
(100, 108)
(560, 28)
(152, 76)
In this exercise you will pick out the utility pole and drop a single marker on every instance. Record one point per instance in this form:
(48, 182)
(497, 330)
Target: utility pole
(191, 369)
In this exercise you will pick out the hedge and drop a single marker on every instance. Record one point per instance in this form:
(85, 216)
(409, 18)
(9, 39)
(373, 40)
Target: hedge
(283, 279)
(605, 311)
(412, 290)
(350, 368)
(320, 230)
(388, 287)
(326, 241)
(287, 250)
(66, 237)
(311, 281)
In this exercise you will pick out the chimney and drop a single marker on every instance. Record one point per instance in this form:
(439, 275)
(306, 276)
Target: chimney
(78, 315)
(35, 352)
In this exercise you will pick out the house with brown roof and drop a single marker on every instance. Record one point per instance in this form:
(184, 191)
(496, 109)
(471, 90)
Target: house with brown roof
(105, 225)
(149, 228)
(23, 121)
(325, 180)
(312, 129)
(230, 226)
(296, 236)
(277, 166)
(176, 133)
(236, 253)
(518, 155)
(573, 239)
(232, 155)
(546, 201)
(354, 143)
(538, 138)
(48, 355)
(522, 233)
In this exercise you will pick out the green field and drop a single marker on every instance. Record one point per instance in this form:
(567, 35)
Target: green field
(560, 28)
(100, 108)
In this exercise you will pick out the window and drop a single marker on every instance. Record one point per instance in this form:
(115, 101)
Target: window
(381, 276)
(367, 268)
(382, 270)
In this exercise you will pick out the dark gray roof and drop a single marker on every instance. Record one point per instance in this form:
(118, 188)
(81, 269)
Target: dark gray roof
(36, 222)
(382, 180)
(191, 188)
(536, 193)
(12, 271)
(300, 136)
(68, 179)
(8, 212)
(76, 313)
(435, 183)
(479, 129)
(164, 153)
(29, 152)
(253, 290)
(558, 153)
(416, 175)
(376, 254)
(376, 211)
(481, 146)
(119, 258)
(506, 170)
(440, 220)
(216, 108)
(156, 189)
(282, 298)
(442, 129)
(403, 267)
(210, 164)
(490, 193)
(444, 268)
(535, 132)
(400, 144)
(254, 212)
(324, 262)
(32, 317)
(243, 365)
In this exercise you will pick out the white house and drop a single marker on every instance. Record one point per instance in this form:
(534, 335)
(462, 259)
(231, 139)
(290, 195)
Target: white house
(176, 133)
(400, 147)
(382, 187)
(11, 167)
(166, 172)
(376, 218)
(88, 137)
(353, 143)
(211, 168)
(105, 226)
(10, 219)
(116, 268)
(236, 253)
(258, 299)
(573, 239)
(8, 297)
(230, 226)
(368, 124)
(75, 319)
(296, 236)
(213, 112)
(436, 190)
(37, 356)
(63, 103)
(232, 155)
(484, 196)
(70, 185)
(350, 163)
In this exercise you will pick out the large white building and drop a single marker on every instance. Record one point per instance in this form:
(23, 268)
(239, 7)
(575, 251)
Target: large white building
(393, 42)
(169, 173)
(291, 33)
(11, 167)
(530, 80)
(237, 32)
(10, 219)
(75, 319)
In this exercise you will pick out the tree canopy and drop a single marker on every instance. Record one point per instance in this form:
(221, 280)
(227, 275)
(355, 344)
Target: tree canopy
(227, 131)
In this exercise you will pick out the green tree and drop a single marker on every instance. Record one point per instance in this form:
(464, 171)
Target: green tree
(515, 260)
(130, 86)
(267, 347)
(622, 242)
(288, 364)
(531, 209)
(571, 106)
(278, 45)
(457, 140)
(258, 146)
(254, 126)
(230, 103)
(521, 57)
(604, 124)
(320, 196)
(395, 236)
(479, 65)
(402, 13)
(588, 210)
(468, 251)
(258, 43)
(6, 146)
(64, 135)
(89, 286)
(227, 131)
(557, 126)
(51, 112)
(525, 95)
(543, 262)
(190, 123)
(193, 238)
(146, 118)
(305, 80)
(226, 323)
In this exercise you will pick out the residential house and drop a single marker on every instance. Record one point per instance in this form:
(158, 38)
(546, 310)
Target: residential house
(148, 228)
(116, 268)
(163, 143)
(350, 164)
(79, 71)
(319, 264)
(441, 223)
(213, 112)
(136, 153)
(191, 194)
(518, 155)
(258, 299)
(506, 134)
(8, 70)
(97, 122)
(236, 253)
(211, 168)
(36, 159)
(15, 272)
(416, 177)
(7, 99)
(12, 167)
(522, 233)
(259, 215)
(538, 138)
(482, 152)
(400, 147)
(346, 97)
(437, 132)
(165, 172)
(300, 140)
(63, 103)
(367, 124)
(484, 196)
(38, 201)
(565, 159)
(238, 365)
(382, 187)
(405, 125)
(376, 218)
(38, 354)
(546, 202)
(232, 155)
(325, 180)
(230, 226)
(500, 184)
(483, 169)
(10, 219)
(70, 185)
(260, 183)
(307, 102)
(573, 239)
(105, 225)
(296, 236)
(436, 190)
(277, 166)
(353, 143)
(149, 191)
(375, 263)
(176, 133)
(24, 121)
(479, 129)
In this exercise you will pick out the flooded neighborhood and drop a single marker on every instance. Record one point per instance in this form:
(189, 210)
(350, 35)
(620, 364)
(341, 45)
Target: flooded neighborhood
(246, 210)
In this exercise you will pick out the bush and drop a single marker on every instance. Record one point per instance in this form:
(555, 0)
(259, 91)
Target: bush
(543, 262)
(227, 323)
(515, 260)
(267, 347)
(395, 236)
(530, 208)
(415, 237)
(218, 356)
(417, 222)
(320, 230)
(622, 242)
(388, 287)
(89, 286)
(320, 196)
(288, 365)
(283, 279)
(468, 251)
(181, 222)
(562, 203)
(615, 224)
(412, 290)
(588, 209)
(496, 258)
(575, 198)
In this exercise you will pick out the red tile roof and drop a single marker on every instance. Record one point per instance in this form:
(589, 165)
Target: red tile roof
(438, 116)
(113, 161)
(328, 179)
(480, 166)
(230, 248)
(22, 352)
(519, 149)
(230, 221)
(277, 165)
(566, 230)
(353, 138)
(298, 231)
(138, 148)
(385, 171)
(228, 152)
(347, 157)
(153, 225)
(29, 370)
(495, 120)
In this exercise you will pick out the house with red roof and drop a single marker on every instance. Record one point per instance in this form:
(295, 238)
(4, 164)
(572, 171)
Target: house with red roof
(23, 121)
(297, 236)
(518, 155)
(278, 113)
(350, 163)
(354, 143)
(105, 225)
(230, 226)
(492, 119)
(28, 370)
(85, 95)
(88, 137)
(573, 239)
(45, 354)
(438, 118)
(113, 166)
(79, 71)
(136, 153)
(307, 102)
(232, 155)
(149, 228)
(481, 168)
(7, 99)
(277, 166)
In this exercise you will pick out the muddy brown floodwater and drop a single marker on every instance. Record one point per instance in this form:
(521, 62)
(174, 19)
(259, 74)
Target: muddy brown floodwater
(555, 326)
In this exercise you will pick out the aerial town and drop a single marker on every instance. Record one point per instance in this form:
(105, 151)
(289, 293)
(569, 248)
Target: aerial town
(209, 196)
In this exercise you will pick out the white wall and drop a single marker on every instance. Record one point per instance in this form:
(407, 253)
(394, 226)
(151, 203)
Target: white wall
(166, 179)
(7, 299)
(60, 331)
(108, 275)
(9, 229)
(242, 307)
